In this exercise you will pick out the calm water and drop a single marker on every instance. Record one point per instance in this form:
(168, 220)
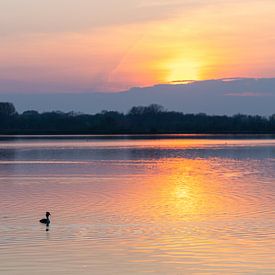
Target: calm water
(137, 205)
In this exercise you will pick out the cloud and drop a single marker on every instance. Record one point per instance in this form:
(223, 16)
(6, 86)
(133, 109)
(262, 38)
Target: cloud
(249, 94)
(200, 96)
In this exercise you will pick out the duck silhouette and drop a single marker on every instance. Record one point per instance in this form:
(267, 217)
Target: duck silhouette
(47, 220)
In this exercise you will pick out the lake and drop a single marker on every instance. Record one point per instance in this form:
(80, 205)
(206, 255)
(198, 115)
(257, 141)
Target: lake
(174, 204)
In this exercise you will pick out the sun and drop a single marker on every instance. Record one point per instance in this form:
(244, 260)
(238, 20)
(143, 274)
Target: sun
(183, 69)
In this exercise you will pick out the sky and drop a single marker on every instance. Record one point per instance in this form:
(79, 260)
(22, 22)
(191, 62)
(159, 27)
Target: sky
(77, 46)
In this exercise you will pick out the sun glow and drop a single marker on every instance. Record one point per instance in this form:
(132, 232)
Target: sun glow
(183, 69)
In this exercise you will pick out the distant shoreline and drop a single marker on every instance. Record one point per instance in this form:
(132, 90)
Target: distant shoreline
(140, 120)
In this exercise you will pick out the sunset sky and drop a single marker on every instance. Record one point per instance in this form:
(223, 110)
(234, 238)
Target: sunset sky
(112, 45)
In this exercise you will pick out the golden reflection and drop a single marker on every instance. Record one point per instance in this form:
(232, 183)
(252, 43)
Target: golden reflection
(177, 190)
(182, 192)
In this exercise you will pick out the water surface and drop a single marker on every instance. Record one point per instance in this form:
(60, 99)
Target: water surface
(135, 205)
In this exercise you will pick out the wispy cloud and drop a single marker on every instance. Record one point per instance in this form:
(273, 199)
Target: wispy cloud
(250, 94)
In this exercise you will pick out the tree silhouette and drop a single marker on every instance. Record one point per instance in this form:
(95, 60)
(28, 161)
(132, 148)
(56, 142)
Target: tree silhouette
(152, 119)
(7, 109)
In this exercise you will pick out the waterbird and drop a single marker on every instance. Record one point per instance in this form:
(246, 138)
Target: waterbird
(47, 220)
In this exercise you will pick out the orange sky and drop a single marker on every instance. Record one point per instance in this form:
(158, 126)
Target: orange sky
(70, 46)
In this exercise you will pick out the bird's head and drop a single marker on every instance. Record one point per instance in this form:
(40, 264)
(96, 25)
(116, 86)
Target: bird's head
(48, 214)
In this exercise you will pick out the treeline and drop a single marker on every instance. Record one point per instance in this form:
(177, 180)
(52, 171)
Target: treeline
(153, 119)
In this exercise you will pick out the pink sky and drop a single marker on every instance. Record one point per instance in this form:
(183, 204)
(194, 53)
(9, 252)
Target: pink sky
(76, 46)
